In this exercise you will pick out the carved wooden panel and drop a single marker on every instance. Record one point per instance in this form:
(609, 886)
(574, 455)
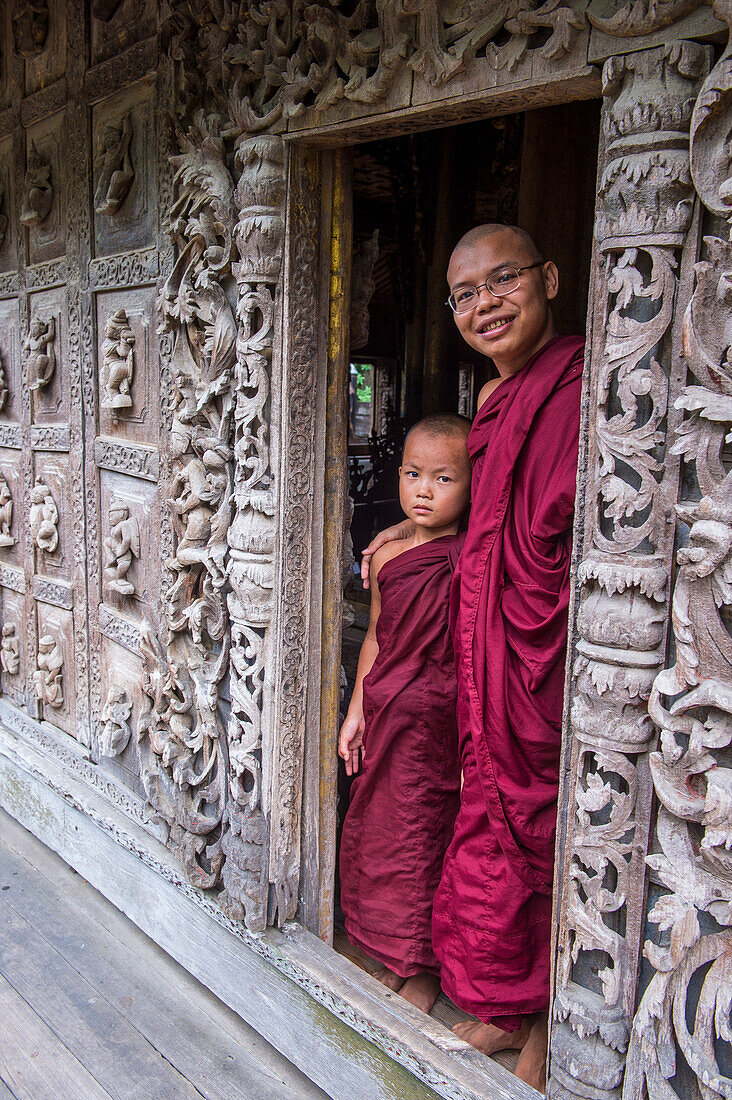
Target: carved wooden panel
(43, 191)
(118, 24)
(45, 53)
(124, 171)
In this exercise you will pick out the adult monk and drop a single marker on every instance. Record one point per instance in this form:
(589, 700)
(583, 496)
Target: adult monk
(510, 596)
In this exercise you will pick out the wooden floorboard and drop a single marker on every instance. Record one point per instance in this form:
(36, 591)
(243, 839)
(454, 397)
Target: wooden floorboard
(100, 991)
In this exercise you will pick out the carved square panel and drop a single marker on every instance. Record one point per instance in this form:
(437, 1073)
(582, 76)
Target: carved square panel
(121, 701)
(45, 358)
(117, 24)
(129, 531)
(123, 145)
(54, 682)
(128, 359)
(10, 371)
(49, 516)
(13, 664)
(49, 64)
(12, 510)
(43, 191)
(8, 228)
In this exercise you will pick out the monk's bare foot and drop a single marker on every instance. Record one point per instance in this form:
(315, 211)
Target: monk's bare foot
(421, 990)
(490, 1039)
(388, 978)
(531, 1065)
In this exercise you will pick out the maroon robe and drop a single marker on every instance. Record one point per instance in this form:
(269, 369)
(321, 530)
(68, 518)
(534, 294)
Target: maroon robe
(492, 913)
(404, 801)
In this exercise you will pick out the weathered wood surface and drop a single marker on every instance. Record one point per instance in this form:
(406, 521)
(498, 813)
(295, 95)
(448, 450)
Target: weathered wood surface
(93, 1009)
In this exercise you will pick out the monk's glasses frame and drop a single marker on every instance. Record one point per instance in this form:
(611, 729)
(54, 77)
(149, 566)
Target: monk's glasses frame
(502, 283)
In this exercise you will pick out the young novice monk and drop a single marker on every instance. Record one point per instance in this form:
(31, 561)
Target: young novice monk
(402, 721)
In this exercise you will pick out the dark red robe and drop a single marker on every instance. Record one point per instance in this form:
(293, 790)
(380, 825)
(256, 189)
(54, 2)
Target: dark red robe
(404, 801)
(492, 913)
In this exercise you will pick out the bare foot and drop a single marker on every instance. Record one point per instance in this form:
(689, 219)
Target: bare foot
(388, 978)
(421, 990)
(489, 1039)
(531, 1065)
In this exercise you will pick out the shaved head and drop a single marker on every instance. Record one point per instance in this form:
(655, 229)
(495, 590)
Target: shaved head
(483, 232)
(442, 424)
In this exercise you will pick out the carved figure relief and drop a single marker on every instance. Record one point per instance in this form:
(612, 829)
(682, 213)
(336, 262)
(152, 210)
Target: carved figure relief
(6, 513)
(114, 168)
(120, 547)
(48, 677)
(43, 517)
(4, 220)
(30, 27)
(115, 735)
(10, 650)
(363, 286)
(37, 198)
(3, 386)
(118, 360)
(39, 352)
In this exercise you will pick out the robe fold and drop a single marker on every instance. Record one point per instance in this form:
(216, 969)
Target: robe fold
(510, 597)
(404, 801)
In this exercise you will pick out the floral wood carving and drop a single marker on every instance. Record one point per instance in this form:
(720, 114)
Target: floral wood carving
(116, 712)
(645, 207)
(48, 677)
(114, 168)
(10, 650)
(120, 547)
(118, 351)
(39, 352)
(37, 197)
(30, 27)
(181, 732)
(43, 517)
(640, 17)
(6, 513)
(682, 1030)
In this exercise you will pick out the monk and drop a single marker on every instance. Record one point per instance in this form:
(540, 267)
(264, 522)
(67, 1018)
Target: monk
(402, 722)
(510, 597)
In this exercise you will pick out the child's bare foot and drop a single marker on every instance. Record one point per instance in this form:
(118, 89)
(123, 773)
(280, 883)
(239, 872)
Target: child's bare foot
(531, 1065)
(421, 990)
(388, 978)
(490, 1039)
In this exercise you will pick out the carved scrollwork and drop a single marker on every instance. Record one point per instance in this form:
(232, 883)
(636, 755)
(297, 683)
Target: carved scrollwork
(640, 17)
(645, 207)
(37, 198)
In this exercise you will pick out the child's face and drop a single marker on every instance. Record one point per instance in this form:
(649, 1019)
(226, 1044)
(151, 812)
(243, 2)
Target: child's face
(508, 329)
(434, 479)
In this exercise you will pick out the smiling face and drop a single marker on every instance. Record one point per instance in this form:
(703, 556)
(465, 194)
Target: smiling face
(434, 481)
(512, 328)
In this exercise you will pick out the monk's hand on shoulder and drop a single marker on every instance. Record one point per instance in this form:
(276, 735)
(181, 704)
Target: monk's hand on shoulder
(350, 742)
(401, 530)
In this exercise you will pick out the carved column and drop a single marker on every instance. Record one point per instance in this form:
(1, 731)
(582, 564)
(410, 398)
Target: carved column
(646, 238)
(681, 1033)
(259, 238)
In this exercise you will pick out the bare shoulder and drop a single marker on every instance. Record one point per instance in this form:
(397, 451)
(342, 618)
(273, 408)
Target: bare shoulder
(386, 552)
(488, 389)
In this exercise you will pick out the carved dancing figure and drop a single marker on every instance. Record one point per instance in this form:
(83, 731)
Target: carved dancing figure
(10, 650)
(197, 491)
(119, 364)
(115, 169)
(40, 355)
(30, 27)
(48, 676)
(116, 712)
(37, 191)
(120, 546)
(4, 220)
(43, 517)
(6, 513)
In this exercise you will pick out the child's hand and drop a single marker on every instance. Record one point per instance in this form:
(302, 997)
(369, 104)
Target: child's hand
(350, 742)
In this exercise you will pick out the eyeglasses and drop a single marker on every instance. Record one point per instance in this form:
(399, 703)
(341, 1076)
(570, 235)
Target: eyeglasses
(503, 282)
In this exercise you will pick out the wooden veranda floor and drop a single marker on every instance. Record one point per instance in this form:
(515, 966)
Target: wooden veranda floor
(91, 1009)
